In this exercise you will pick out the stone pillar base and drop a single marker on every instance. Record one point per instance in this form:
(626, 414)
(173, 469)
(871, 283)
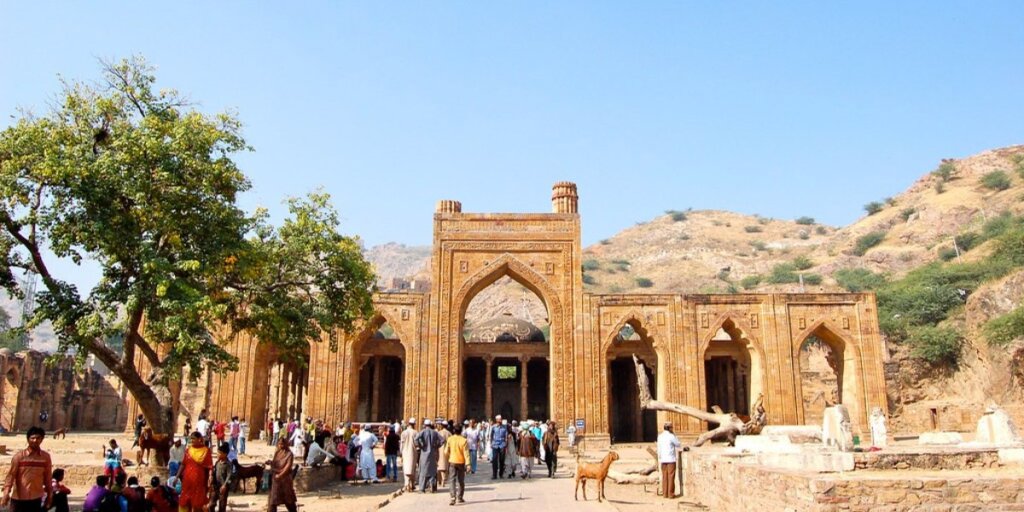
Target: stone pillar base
(594, 442)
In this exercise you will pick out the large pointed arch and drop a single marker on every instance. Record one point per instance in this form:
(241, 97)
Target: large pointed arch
(626, 421)
(740, 333)
(851, 386)
(354, 362)
(505, 264)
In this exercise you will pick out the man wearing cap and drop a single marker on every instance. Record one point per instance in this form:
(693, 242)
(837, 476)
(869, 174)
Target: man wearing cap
(499, 440)
(668, 444)
(409, 455)
(429, 443)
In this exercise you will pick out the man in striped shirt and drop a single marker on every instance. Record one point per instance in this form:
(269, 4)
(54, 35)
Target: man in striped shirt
(27, 485)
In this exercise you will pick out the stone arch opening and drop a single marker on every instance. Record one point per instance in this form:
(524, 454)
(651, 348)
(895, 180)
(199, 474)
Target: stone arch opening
(505, 331)
(381, 395)
(733, 369)
(828, 366)
(627, 422)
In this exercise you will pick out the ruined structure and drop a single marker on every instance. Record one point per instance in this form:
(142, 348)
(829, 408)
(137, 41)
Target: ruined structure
(70, 398)
(413, 359)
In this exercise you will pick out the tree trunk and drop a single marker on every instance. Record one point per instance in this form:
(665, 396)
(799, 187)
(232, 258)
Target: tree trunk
(156, 403)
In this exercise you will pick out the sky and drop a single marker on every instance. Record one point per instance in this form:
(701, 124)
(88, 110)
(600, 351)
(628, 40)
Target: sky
(782, 109)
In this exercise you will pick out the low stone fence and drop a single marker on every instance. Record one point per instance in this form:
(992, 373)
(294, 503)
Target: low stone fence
(83, 476)
(936, 459)
(733, 484)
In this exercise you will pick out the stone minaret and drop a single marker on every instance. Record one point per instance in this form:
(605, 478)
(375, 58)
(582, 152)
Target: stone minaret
(564, 198)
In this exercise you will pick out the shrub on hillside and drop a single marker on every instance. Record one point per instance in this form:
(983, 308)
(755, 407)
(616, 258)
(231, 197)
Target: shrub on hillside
(1006, 328)
(907, 212)
(947, 253)
(996, 180)
(589, 279)
(940, 187)
(591, 265)
(873, 207)
(812, 279)
(676, 215)
(1018, 165)
(936, 344)
(643, 282)
(783, 273)
(802, 263)
(750, 282)
(759, 245)
(945, 170)
(821, 230)
(866, 242)
(858, 279)
(621, 265)
(803, 235)
(805, 221)
(752, 229)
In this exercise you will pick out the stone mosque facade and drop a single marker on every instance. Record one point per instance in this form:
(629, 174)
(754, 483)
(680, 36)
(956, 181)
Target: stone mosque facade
(412, 358)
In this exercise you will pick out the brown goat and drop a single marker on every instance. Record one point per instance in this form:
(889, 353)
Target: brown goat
(597, 472)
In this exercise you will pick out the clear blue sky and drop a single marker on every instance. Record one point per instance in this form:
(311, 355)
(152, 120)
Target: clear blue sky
(778, 108)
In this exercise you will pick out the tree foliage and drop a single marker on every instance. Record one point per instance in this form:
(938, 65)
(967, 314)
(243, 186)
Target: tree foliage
(138, 182)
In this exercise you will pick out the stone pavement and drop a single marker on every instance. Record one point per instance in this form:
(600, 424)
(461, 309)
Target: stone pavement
(536, 494)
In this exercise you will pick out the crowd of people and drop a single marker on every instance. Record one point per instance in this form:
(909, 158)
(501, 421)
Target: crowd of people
(202, 473)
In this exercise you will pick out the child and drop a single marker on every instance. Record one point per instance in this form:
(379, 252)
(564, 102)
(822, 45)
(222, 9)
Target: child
(60, 491)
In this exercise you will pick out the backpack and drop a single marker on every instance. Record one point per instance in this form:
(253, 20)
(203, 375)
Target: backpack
(110, 502)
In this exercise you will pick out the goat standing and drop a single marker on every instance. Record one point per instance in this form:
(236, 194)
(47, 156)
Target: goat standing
(597, 472)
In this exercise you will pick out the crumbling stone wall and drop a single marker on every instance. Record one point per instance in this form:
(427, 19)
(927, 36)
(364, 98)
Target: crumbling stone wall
(80, 400)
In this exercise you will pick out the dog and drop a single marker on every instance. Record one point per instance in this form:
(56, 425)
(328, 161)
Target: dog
(592, 471)
(61, 432)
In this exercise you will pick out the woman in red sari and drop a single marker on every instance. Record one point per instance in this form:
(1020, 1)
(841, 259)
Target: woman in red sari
(194, 475)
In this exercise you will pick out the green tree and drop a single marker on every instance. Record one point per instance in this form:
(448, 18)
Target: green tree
(873, 207)
(143, 185)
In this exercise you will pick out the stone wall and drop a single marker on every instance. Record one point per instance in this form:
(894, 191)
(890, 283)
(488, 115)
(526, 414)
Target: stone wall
(78, 399)
(728, 485)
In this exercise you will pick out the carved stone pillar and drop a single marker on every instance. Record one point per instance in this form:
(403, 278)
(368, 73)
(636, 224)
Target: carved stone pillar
(375, 399)
(523, 388)
(488, 389)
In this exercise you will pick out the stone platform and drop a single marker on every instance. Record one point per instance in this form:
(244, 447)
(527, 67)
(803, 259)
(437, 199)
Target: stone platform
(926, 480)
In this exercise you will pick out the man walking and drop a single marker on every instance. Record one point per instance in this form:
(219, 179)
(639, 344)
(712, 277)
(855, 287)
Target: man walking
(409, 455)
(28, 482)
(551, 444)
(527, 450)
(456, 449)
(499, 440)
(429, 443)
(668, 444)
(472, 435)
(234, 432)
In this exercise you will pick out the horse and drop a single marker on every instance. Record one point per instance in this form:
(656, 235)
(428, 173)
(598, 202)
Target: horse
(159, 443)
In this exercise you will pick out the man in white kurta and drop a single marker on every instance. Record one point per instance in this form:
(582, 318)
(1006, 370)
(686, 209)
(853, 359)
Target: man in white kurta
(367, 464)
(409, 455)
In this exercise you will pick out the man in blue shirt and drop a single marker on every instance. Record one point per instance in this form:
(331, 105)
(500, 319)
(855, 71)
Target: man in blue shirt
(499, 440)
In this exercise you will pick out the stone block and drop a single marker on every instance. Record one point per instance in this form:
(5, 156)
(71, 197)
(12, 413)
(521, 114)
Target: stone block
(796, 433)
(764, 444)
(1011, 456)
(940, 438)
(821, 462)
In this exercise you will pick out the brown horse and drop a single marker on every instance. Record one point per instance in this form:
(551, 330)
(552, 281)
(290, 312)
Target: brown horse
(159, 443)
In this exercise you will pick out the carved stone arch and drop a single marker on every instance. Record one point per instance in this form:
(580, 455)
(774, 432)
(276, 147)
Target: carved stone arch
(507, 264)
(650, 331)
(832, 329)
(851, 385)
(379, 318)
(737, 320)
(758, 383)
